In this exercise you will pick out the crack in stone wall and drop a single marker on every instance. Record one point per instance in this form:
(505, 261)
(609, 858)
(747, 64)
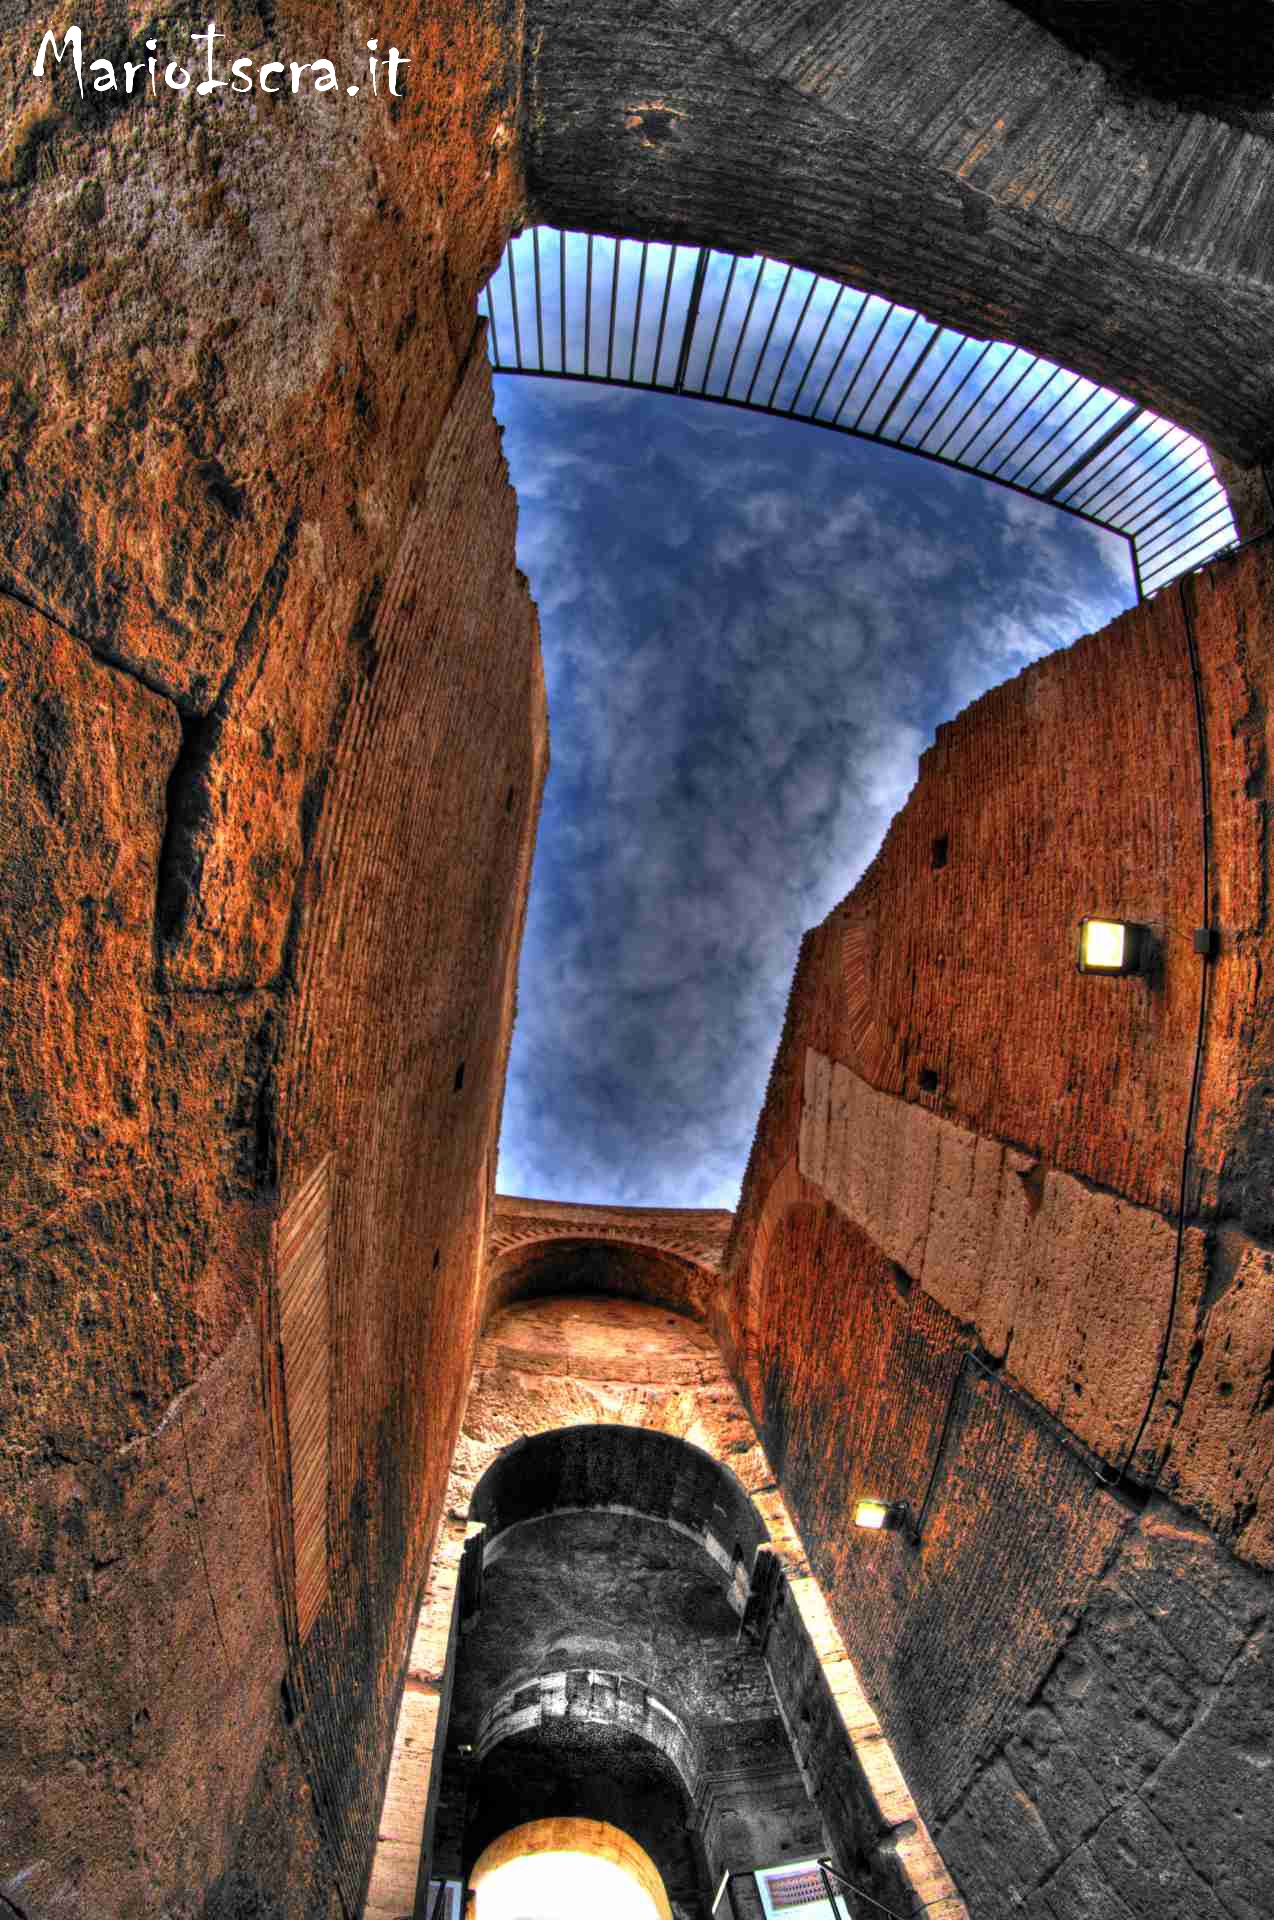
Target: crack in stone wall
(1137, 1782)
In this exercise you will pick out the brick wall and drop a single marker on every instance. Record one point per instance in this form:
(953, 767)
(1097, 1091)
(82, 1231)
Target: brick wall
(1050, 1661)
(1075, 787)
(443, 751)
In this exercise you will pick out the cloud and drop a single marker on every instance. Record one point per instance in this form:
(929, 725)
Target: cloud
(751, 629)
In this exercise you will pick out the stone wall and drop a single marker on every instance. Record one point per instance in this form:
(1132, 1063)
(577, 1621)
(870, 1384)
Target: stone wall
(1135, 1783)
(969, 1149)
(272, 737)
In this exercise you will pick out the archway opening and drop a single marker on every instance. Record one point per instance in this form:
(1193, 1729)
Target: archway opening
(600, 1674)
(567, 1869)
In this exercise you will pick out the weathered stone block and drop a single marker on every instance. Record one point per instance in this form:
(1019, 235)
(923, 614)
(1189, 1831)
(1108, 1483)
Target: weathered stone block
(1223, 1448)
(997, 1842)
(1119, 1740)
(1078, 1887)
(1139, 1859)
(1049, 1769)
(1202, 1600)
(1152, 1674)
(1215, 1793)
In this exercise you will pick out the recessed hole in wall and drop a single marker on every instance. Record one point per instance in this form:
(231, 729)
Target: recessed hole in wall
(437, 1257)
(508, 801)
(1033, 1185)
(938, 855)
(928, 1080)
(459, 1077)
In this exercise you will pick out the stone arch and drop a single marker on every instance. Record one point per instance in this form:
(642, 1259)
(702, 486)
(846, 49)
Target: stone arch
(608, 1362)
(557, 1519)
(597, 1698)
(675, 1403)
(594, 1729)
(629, 1469)
(587, 1744)
(563, 1264)
(671, 1256)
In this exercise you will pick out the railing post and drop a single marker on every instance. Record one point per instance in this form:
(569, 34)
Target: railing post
(1136, 565)
(692, 321)
(830, 1891)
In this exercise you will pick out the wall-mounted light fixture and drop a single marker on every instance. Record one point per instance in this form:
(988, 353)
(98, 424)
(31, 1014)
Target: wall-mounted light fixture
(1112, 946)
(882, 1516)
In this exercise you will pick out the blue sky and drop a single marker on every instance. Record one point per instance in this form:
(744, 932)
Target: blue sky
(751, 628)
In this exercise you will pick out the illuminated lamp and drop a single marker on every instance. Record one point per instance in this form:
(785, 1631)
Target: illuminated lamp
(881, 1516)
(1111, 946)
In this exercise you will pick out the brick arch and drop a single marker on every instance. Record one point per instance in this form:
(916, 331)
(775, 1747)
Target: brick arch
(669, 1257)
(788, 1189)
(556, 1264)
(1002, 183)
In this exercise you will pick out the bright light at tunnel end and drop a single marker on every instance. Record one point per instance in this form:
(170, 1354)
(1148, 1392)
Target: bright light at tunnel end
(563, 1886)
(567, 1867)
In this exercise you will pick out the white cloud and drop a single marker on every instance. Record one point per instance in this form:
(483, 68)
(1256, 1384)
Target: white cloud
(750, 631)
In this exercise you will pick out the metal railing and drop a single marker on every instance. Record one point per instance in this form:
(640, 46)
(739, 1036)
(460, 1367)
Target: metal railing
(836, 1889)
(748, 331)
